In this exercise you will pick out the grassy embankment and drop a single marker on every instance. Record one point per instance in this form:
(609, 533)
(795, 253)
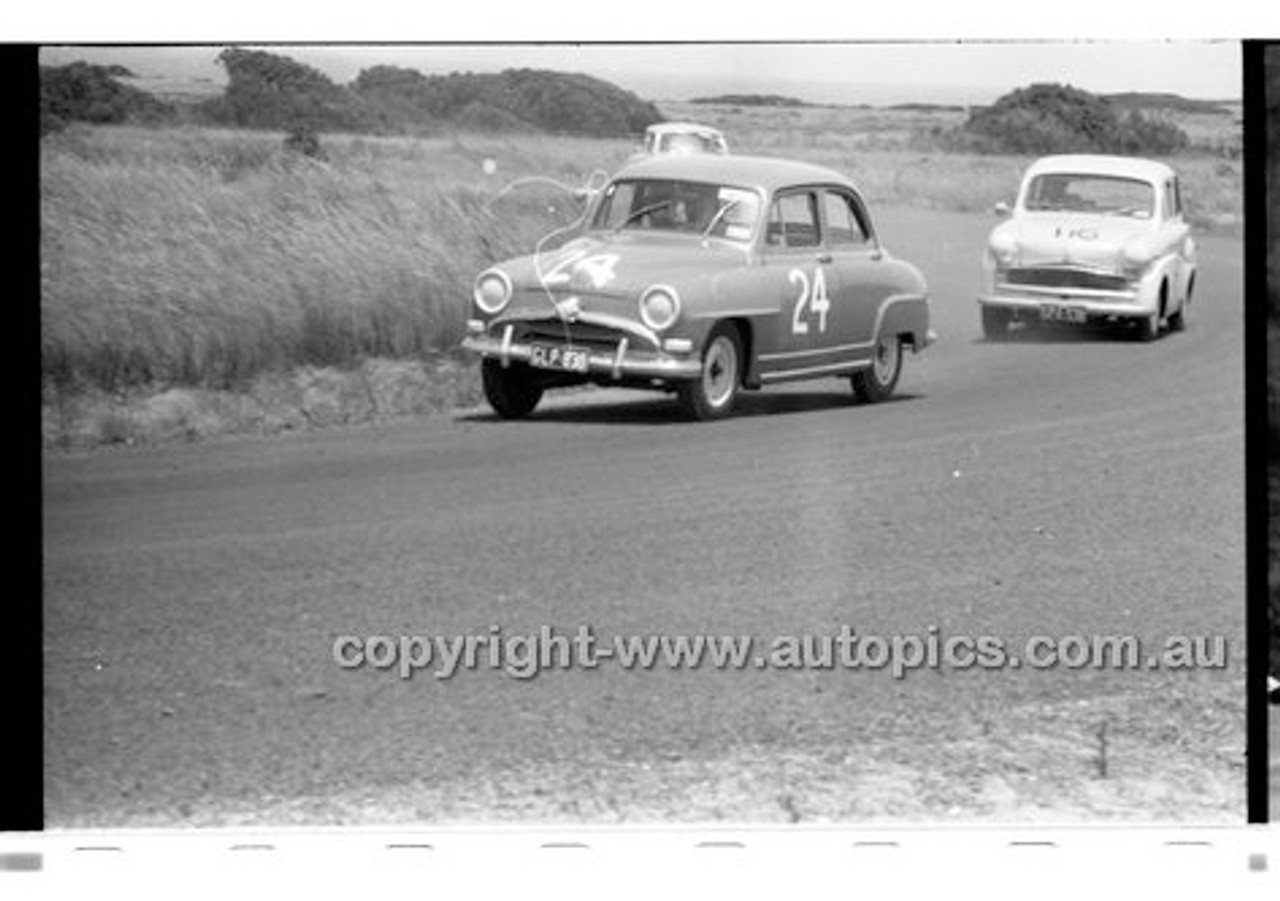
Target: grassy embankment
(198, 281)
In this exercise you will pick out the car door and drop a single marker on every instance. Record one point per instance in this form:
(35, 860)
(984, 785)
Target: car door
(857, 286)
(797, 268)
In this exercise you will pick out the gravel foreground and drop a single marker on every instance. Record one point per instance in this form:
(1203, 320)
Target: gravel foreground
(1175, 758)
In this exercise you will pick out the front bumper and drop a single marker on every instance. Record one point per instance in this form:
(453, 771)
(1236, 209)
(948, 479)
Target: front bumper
(1028, 300)
(619, 364)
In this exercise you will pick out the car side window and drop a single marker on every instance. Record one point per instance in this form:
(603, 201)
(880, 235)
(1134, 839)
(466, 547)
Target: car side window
(793, 221)
(844, 225)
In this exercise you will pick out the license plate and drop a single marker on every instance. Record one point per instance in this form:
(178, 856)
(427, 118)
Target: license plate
(554, 356)
(1053, 312)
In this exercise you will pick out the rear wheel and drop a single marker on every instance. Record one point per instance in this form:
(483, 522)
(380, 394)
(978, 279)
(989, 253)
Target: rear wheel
(712, 394)
(510, 391)
(1178, 320)
(877, 381)
(995, 323)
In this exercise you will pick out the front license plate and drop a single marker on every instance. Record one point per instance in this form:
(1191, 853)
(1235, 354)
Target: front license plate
(554, 356)
(1054, 312)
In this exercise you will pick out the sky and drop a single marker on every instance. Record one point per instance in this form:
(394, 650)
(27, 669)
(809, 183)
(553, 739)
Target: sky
(876, 72)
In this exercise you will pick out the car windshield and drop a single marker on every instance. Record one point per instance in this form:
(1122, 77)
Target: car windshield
(1062, 192)
(687, 142)
(668, 205)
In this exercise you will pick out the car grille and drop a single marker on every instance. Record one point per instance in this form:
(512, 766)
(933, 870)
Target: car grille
(582, 334)
(1065, 277)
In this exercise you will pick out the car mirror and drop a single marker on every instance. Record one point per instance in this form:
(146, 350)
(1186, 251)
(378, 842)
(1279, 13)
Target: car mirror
(1001, 209)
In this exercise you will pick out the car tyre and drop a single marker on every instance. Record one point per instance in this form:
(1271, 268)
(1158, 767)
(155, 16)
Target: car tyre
(713, 393)
(995, 323)
(509, 390)
(1178, 321)
(877, 381)
(1149, 327)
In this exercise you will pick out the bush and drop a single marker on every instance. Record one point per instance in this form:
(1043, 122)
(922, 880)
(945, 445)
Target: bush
(512, 100)
(1052, 118)
(81, 92)
(265, 90)
(305, 140)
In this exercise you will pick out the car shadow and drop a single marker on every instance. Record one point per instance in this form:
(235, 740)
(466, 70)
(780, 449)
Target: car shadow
(663, 410)
(1069, 334)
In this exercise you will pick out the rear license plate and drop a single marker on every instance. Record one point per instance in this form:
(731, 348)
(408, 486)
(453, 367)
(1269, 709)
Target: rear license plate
(554, 356)
(1053, 312)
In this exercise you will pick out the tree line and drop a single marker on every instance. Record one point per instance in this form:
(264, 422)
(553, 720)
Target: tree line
(271, 91)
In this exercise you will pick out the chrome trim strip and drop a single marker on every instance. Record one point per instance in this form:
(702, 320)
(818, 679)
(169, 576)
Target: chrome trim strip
(835, 348)
(813, 370)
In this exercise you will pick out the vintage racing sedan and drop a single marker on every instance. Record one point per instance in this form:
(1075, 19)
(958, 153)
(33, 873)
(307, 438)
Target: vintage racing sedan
(703, 275)
(683, 137)
(1091, 238)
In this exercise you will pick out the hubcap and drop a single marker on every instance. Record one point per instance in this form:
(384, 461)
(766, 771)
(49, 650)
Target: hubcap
(886, 360)
(719, 372)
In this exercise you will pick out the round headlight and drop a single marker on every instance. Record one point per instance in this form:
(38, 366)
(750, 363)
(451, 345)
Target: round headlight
(659, 307)
(492, 291)
(1003, 248)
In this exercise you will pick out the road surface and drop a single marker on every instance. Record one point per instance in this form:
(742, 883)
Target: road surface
(1066, 483)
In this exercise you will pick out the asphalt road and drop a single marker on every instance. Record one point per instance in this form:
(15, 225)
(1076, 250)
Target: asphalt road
(1063, 483)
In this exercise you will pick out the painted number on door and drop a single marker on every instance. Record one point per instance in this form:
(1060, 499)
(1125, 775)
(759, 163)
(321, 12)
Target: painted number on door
(812, 301)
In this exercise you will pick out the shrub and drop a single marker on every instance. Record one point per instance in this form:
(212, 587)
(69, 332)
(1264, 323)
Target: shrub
(1053, 118)
(86, 93)
(265, 90)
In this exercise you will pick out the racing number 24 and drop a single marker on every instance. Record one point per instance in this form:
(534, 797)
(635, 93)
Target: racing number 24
(813, 298)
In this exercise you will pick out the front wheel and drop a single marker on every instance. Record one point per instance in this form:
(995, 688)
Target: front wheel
(995, 323)
(878, 380)
(712, 394)
(1148, 328)
(510, 391)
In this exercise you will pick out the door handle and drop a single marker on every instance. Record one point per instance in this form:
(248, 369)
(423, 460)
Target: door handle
(824, 258)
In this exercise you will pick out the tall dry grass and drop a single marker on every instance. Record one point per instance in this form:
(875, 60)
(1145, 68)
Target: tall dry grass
(204, 257)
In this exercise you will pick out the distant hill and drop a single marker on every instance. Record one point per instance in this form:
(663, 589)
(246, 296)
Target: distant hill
(929, 107)
(1137, 100)
(750, 100)
(269, 90)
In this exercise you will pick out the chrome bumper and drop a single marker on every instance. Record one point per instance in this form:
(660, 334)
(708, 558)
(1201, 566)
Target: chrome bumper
(623, 363)
(1126, 304)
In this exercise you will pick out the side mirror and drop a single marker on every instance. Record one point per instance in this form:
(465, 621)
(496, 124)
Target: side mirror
(1001, 209)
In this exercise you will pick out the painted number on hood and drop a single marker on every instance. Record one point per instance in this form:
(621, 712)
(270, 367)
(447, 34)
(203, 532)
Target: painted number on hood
(597, 268)
(812, 299)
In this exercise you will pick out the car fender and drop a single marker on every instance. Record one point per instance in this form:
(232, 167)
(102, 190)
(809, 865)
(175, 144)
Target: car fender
(904, 315)
(1168, 269)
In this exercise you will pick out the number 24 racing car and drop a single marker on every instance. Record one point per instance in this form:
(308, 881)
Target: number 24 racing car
(703, 275)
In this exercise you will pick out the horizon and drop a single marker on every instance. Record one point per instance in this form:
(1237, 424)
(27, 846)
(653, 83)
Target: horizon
(816, 73)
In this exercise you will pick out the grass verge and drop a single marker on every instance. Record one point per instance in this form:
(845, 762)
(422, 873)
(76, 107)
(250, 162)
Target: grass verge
(182, 269)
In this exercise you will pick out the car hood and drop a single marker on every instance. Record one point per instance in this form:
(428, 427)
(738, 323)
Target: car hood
(1070, 239)
(621, 266)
